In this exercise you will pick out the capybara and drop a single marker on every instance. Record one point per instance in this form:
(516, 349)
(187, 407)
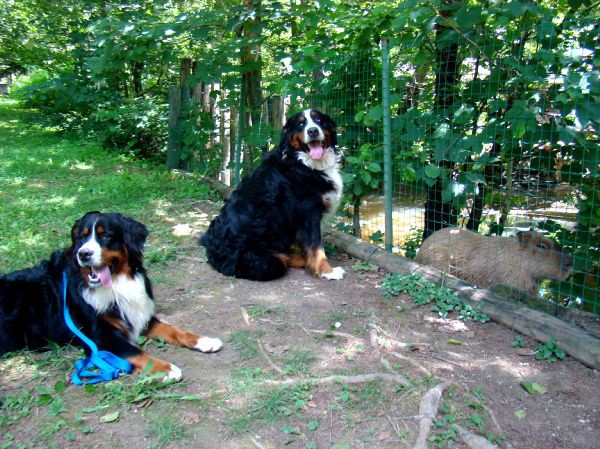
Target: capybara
(518, 262)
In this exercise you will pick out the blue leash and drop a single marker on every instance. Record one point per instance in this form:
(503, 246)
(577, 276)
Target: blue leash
(101, 366)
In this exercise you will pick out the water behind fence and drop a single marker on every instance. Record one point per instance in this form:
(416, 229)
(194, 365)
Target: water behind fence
(494, 133)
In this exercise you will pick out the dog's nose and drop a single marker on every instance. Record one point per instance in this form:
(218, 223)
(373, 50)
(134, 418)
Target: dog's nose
(313, 132)
(85, 254)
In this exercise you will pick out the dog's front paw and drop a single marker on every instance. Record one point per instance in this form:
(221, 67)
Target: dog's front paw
(174, 374)
(336, 274)
(208, 344)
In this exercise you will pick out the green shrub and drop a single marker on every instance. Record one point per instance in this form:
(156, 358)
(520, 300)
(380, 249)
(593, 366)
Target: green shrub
(21, 88)
(136, 127)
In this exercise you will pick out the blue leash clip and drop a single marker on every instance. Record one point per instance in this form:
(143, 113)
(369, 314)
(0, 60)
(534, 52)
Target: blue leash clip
(101, 366)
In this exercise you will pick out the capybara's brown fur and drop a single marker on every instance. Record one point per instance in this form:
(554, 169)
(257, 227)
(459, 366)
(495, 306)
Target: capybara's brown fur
(518, 262)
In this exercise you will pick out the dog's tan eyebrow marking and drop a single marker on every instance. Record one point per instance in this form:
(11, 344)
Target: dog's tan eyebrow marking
(100, 229)
(86, 231)
(302, 119)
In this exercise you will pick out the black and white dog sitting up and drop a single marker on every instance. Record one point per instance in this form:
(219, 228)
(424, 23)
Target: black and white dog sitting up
(280, 206)
(109, 297)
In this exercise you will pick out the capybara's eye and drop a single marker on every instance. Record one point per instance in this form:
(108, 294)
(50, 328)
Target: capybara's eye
(541, 246)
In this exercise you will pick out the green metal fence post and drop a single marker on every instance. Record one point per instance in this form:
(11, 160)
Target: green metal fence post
(387, 144)
(238, 138)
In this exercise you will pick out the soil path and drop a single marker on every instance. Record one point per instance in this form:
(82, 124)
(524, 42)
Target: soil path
(270, 386)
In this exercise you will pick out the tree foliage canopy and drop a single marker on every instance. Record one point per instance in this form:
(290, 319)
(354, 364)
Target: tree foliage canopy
(485, 95)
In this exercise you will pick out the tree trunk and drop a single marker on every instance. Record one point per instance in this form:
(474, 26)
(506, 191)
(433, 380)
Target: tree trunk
(252, 78)
(277, 117)
(185, 70)
(174, 141)
(440, 214)
(136, 73)
(233, 118)
(225, 136)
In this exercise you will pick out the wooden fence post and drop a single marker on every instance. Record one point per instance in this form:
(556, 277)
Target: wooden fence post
(174, 142)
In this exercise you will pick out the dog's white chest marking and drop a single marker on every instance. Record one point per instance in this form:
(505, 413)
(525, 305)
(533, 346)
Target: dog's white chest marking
(130, 297)
(328, 165)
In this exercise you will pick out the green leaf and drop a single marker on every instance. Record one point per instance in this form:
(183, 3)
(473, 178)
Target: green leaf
(42, 389)
(44, 400)
(313, 425)
(374, 167)
(432, 171)
(110, 417)
(520, 414)
(289, 430)
(59, 386)
(533, 387)
(476, 419)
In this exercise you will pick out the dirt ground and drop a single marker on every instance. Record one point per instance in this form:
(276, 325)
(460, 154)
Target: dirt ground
(270, 386)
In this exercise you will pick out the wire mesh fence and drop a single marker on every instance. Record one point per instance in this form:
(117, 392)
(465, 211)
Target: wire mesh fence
(492, 132)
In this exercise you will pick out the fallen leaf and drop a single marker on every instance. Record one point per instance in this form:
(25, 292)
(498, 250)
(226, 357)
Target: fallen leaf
(110, 417)
(520, 414)
(384, 435)
(190, 418)
(454, 342)
(533, 387)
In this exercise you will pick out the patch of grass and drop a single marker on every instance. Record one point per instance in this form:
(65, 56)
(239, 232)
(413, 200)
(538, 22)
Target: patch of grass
(49, 180)
(13, 408)
(258, 311)
(267, 407)
(245, 344)
(365, 265)
(423, 292)
(131, 390)
(370, 394)
(298, 363)
(30, 365)
(244, 381)
(166, 431)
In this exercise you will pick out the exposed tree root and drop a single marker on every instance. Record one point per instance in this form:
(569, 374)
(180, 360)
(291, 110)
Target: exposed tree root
(388, 342)
(332, 333)
(428, 409)
(266, 356)
(256, 443)
(357, 379)
(245, 315)
(412, 362)
(474, 441)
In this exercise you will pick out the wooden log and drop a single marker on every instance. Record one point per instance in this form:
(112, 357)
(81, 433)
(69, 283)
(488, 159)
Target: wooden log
(532, 323)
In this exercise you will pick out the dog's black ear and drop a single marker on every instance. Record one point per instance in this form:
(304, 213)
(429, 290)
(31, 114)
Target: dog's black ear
(134, 236)
(286, 133)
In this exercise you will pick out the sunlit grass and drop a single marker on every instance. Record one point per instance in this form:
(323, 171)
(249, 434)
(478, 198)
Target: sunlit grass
(48, 180)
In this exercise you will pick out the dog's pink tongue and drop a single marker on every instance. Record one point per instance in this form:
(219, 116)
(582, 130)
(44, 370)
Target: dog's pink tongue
(316, 150)
(105, 277)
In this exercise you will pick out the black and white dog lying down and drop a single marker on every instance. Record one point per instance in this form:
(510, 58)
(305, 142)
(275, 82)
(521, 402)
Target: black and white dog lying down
(280, 207)
(109, 297)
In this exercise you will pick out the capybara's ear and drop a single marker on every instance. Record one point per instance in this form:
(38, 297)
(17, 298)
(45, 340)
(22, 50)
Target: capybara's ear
(525, 237)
